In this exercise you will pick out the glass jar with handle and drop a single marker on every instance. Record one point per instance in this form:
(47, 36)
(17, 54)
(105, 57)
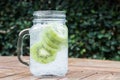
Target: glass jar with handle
(48, 44)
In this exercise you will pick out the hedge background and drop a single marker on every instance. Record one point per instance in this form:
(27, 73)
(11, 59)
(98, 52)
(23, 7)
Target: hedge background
(94, 25)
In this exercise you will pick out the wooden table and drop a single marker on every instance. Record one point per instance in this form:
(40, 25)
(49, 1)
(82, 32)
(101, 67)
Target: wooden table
(79, 69)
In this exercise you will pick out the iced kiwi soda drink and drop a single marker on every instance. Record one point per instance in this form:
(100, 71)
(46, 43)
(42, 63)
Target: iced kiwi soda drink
(49, 49)
(48, 44)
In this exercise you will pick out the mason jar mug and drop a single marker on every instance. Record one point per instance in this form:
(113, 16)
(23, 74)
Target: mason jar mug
(48, 44)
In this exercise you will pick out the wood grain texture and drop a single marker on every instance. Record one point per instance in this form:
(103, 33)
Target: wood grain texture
(79, 69)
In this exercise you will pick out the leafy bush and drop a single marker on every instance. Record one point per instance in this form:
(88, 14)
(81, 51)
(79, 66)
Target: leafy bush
(94, 25)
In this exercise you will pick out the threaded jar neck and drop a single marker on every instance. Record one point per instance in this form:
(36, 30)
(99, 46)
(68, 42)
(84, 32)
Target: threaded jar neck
(49, 15)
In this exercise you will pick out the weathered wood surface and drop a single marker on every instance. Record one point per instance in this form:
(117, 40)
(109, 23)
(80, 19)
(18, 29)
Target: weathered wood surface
(79, 69)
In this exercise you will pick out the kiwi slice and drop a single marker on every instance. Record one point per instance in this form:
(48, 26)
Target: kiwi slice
(49, 59)
(40, 54)
(43, 53)
(50, 42)
(56, 34)
(52, 37)
(37, 48)
(49, 48)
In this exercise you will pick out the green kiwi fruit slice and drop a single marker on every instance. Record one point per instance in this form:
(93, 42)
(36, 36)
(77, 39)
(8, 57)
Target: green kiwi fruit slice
(56, 34)
(50, 42)
(49, 48)
(40, 54)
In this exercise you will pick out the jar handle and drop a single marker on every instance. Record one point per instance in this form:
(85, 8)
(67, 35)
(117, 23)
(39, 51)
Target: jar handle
(22, 34)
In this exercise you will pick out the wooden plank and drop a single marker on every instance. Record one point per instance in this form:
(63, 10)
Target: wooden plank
(78, 68)
(4, 59)
(79, 73)
(15, 65)
(103, 76)
(94, 63)
(100, 65)
(11, 72)
(16, 76)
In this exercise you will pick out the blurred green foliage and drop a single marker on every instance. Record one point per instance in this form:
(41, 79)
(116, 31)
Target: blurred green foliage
(94, 25)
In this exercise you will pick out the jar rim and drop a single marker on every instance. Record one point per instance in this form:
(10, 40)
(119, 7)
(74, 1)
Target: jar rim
(49, 13)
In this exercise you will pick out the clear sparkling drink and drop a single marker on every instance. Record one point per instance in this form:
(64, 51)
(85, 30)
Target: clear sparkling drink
(49, 45)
